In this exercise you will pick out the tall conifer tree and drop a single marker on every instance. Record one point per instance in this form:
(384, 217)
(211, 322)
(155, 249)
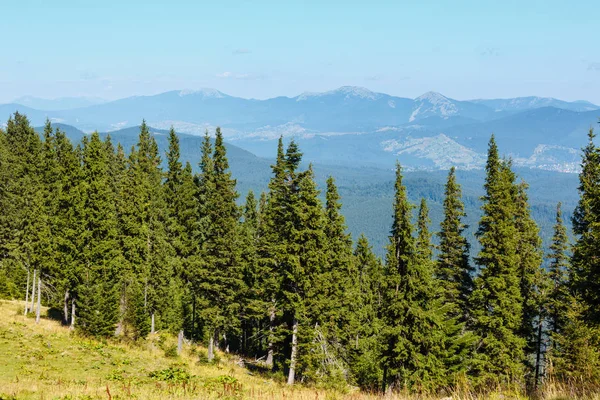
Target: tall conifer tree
(413, 337)
(453, 268)
(97, 297)
(496, 301)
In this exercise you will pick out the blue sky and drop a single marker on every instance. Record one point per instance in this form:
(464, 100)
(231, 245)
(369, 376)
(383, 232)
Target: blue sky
(463, 49)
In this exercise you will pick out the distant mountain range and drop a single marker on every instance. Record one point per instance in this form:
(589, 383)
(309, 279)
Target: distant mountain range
(353, 126)
(61, 103)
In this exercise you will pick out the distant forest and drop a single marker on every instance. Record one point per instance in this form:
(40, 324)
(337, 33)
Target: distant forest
(119, 247)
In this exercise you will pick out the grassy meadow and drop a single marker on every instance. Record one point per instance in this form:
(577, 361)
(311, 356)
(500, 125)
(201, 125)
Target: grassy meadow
(48, 361)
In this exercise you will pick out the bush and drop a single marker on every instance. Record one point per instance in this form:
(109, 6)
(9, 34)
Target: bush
(176, 373)
(171, 351)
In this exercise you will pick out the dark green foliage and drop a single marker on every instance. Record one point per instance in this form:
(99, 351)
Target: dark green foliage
(574, 299)
(496, 301)
(558, 273)
(531, 275)
(100, 252)
(133, 247)
(412, 355)
(364, 328)
(218, 273)
(24, 232)
(575, 357)
(453, 268)
(586, 265)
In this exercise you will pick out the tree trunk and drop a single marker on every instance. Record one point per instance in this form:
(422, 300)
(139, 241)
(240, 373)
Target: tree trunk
(538, 355)
(33, 291)
(27, 293)
(152, 324)
(122, 310)
(211, 347)
(66, 308)
(193, 333)
(226, 345)
(292, 373)
(39, 301)
(72, 314)
(269, 360)
(180, 342)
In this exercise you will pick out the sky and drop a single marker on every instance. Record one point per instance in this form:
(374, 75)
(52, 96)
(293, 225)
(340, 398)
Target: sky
(259, 49)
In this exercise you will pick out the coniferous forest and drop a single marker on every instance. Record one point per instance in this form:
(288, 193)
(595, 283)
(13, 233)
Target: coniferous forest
(120, 248)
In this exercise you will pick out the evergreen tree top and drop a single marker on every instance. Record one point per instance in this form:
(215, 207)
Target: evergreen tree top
(293, 156)
(424, 247)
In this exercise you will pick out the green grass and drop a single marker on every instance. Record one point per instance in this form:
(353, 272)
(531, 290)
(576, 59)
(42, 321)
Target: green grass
(48, 361)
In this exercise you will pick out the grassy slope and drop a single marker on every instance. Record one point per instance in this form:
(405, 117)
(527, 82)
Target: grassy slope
(48, 361)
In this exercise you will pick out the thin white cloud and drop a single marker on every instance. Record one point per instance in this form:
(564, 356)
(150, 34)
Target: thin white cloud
(376, 77)
(88, 76)
(231, 75)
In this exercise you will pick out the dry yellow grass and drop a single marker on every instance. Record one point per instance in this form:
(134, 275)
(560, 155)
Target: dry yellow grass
(47, 361)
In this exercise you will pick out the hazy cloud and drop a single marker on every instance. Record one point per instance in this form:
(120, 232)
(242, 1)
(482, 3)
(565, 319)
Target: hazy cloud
(231, 75)
(241, 51)
(594, 66)
(88, 76)
(376, 77)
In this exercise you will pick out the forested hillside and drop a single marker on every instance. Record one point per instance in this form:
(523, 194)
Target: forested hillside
(367, 191)
(121, 247)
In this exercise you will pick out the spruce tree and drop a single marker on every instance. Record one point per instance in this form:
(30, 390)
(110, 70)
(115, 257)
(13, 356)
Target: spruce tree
(575, 356)
(558, 273)
(586, 266)
(25, 238)
(67, 224)
(271, 250)
(97, 297)
(219, 274)
(252, 309)
(496, 301)
(365, 325)
(411, 355)
(336, 280)
(453, 268)
(303, 291)
(532, 278)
